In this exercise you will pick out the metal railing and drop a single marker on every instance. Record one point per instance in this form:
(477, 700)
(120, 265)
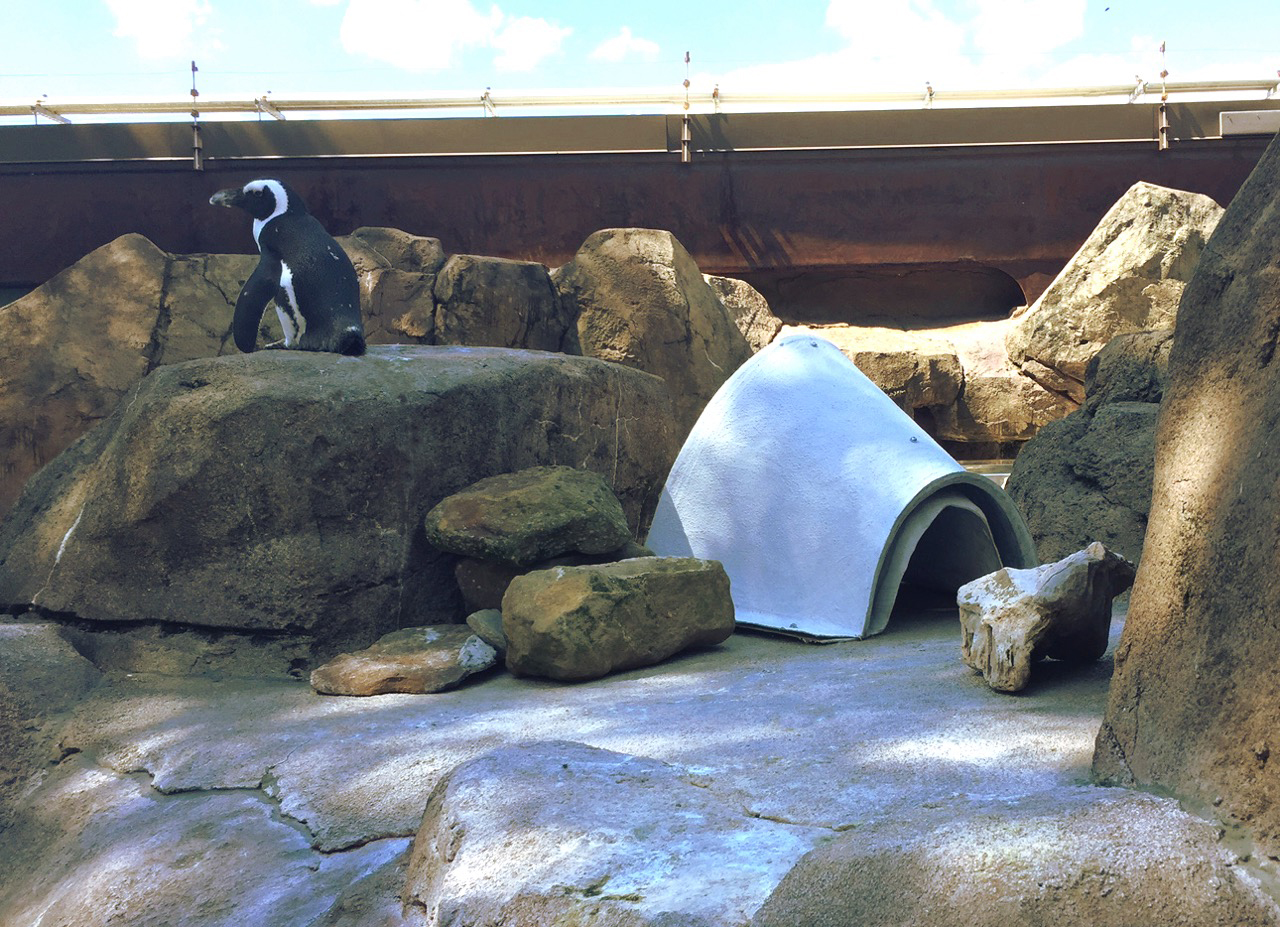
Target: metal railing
(490, 103)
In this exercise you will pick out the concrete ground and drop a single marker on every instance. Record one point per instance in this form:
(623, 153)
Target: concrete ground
(262, 801)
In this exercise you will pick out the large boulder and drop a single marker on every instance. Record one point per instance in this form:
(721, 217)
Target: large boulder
(75, 345)
(1070, 857)
(575, 623)
(1195, 701)
(563, 833)
(1128, 276)
(640, 300)
(283, 492)
(397, 273)
(498, 302)
(917, 370)
(1088, 476)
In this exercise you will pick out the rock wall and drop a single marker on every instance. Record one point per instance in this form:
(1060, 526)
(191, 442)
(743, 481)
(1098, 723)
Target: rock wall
(1195, 701)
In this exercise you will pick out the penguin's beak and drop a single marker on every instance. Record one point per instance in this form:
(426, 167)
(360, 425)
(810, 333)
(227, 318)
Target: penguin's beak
(225, 197)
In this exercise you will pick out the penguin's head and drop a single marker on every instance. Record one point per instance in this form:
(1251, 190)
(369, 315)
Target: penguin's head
(263, 199)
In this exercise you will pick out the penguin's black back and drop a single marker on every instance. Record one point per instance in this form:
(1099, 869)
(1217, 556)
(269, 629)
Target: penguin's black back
(324, 281)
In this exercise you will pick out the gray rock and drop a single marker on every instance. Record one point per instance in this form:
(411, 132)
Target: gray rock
(42, 671)
(561, 833)
(487, 625)
(1194, 705)
(412, 660)
(1131, 368)
(1012, 618)
(1088, 476)
(115, 851)
(1128, 276)
(524, 517)
(1071, 857)
(640, 300)
(282, 493)
(748, 308)
(575, 623)
(498, 302)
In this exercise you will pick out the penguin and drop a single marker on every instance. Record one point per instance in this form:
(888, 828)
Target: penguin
(310, 277)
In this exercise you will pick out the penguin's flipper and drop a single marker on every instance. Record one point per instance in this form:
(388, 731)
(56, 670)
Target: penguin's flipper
(252, 302)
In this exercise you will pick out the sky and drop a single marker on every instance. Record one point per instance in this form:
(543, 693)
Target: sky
(71, 50)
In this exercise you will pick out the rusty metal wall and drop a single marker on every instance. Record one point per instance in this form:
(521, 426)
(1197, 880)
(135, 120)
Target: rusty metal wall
(1020, 208)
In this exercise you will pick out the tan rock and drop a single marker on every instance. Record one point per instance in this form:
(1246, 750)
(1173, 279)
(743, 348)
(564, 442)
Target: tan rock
(640, 300)
(412, 660)
(370, 247)
(575, 623)
(1128, 276)
(914, 369)
(397, 273)
(1012, 618)
(748, 308)
(483, 583)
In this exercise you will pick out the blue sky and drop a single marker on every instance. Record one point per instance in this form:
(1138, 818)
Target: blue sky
(93, 49)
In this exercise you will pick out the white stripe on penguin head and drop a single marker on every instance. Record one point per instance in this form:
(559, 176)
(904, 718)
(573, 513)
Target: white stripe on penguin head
(281, 198)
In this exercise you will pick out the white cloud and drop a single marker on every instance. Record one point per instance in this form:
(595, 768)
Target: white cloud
(160, 28)
(1018, 28)
(898, 45)
(417, 35)
(427, 35)
(524, 43)
(624, 45)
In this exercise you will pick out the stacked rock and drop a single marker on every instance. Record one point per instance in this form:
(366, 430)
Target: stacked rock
(578, 598)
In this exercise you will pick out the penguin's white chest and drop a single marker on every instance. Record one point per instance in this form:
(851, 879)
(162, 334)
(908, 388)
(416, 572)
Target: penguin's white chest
(292, 321)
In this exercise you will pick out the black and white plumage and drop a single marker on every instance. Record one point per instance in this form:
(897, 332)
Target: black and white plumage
(302, 268)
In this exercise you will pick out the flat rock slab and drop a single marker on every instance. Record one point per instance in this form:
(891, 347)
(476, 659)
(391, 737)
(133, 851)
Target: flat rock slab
(413, 660)
(40, 669)
(557, 829)
(123, 853)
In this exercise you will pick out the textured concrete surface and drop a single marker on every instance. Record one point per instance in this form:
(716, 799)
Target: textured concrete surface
(822, 739)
